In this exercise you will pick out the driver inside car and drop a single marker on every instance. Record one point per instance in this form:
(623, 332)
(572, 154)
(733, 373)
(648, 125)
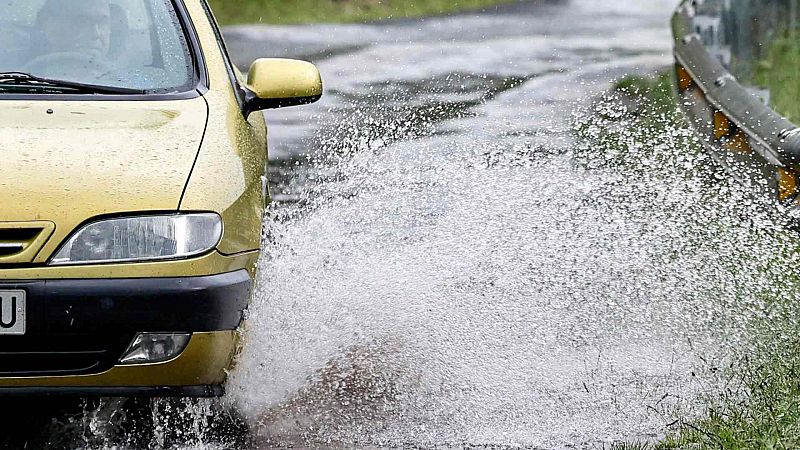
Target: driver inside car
(75, 39)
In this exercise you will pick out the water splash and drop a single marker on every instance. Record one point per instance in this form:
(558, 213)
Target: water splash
(449, 290)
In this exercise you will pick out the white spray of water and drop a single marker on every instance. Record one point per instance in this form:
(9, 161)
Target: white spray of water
(448, 291)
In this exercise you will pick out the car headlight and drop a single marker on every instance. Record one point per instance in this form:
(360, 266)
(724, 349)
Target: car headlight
(144, 238)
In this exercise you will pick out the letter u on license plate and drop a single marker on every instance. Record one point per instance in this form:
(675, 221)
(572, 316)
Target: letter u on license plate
(12, 312)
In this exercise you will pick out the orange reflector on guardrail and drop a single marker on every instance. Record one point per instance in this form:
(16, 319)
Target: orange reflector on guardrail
(738, 143)
(684, 79)
(722, 125)
(787, 184)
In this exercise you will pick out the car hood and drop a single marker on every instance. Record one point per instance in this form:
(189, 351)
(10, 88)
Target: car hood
(67, 162)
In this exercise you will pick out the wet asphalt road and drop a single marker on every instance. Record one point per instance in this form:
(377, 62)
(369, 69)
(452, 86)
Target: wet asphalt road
(518, 66)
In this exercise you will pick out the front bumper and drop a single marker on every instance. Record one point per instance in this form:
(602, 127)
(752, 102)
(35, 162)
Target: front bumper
(208, 303)
(66, 317)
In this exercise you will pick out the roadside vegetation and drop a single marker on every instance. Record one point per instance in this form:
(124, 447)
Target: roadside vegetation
(779, 72)
(317, 11)
(759, 407)
(759, 410)
(636, 113)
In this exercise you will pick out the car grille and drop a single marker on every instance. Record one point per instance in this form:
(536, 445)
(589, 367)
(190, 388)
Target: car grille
(60, 354)
(21, 241)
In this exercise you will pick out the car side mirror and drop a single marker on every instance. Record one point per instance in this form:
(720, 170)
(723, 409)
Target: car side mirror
(277, 83)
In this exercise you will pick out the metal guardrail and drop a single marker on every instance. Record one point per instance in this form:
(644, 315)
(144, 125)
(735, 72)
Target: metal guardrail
(743, 132)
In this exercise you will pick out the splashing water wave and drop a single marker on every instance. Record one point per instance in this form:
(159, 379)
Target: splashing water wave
(446, 291)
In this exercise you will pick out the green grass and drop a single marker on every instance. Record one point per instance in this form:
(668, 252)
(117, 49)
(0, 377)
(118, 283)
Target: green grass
(317, 11)
(654, 94)
(636, 113)
(761, 412)
(779, 71)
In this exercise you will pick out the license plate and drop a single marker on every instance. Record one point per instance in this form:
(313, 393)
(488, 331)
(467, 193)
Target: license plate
(12, 312)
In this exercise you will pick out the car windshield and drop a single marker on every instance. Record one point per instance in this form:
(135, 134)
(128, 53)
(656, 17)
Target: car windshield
(135, 45)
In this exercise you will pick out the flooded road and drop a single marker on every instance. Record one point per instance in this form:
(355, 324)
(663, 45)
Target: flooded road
(451, 263)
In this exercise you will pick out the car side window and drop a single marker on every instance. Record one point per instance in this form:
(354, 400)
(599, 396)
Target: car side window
(237, 88)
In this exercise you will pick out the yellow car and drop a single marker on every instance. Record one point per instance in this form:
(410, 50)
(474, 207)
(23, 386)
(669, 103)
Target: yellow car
(132, 195)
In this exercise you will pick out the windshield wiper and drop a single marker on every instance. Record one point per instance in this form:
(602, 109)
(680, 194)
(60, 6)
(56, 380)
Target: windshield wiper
(26, 79)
